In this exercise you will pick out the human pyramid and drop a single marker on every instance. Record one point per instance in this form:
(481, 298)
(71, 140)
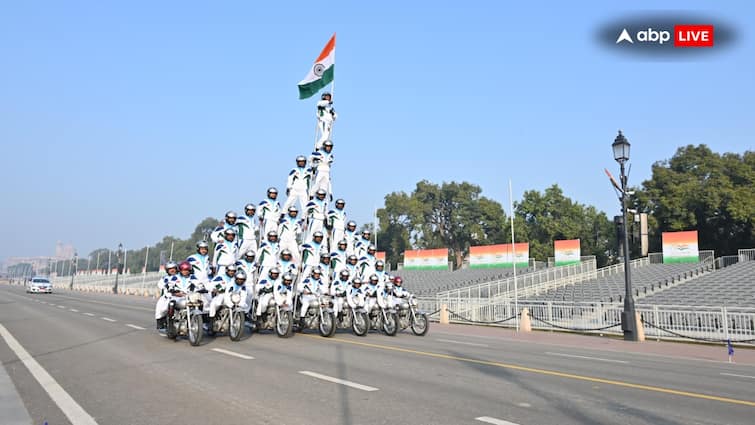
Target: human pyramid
(294, 257)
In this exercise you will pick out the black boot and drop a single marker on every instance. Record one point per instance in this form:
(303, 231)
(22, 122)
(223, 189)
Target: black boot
(162, 324)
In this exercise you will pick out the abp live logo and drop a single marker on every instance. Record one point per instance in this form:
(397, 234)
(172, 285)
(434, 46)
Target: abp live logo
(684, 36)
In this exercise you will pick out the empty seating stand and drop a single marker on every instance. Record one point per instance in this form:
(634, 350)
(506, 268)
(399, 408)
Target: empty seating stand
(429, 282)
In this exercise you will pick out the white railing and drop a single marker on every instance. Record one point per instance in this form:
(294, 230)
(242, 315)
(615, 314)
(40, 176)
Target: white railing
(746, 254)
(138, 284)
(676, 322)
(502, 287)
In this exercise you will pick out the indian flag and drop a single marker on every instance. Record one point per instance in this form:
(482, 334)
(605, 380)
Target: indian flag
(321, 73)
(567, 252)
(380, 255)
(426, 259)
(490, 256)
(680, 247)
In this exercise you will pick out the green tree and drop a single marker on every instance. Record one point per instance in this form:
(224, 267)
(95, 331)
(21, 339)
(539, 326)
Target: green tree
(551, 216)
(698, 189)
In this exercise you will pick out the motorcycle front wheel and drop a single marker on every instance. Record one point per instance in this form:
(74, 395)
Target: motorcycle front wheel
(360, 324)
(328, 324)
(195, 329)
(284, 324)
(390, 324)
(420, 324)
(236, 328)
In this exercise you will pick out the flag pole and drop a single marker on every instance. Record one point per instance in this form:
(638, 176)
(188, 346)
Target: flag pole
(513, 253)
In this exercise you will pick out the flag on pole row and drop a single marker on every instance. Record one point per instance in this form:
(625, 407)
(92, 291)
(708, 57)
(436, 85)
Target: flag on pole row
(321, 73)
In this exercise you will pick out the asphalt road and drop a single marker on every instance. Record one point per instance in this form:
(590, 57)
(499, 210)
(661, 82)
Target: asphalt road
(105, 363)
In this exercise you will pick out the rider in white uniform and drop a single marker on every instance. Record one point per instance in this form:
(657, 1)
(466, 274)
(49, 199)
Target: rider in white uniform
(229, 223)
(336, 221)
(311, 252)
(164, 285)
(227, 250)
(248, 228)
(267, 257)
(309, 290)
(290, 231)
(338, 257)
(355, 296)
(367, 262)
(297, 186)
(321, 162)
(265, 287)
(316, 209)
(269, 211)
(362, 243)
(200, 262)
(326, 116)
(338, 291)
(351, 236)
(219, 285)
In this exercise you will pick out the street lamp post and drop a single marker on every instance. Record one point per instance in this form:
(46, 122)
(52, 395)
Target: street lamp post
(118, 266)
(74, 268)
(628, 321)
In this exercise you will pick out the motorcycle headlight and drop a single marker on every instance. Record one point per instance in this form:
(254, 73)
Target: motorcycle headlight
(194, 298)
(414, 303)
(235, 298)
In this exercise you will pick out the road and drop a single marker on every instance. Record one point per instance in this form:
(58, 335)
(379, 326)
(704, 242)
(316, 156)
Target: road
(104, 363)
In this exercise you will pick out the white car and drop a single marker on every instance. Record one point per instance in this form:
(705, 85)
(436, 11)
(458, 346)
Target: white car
(39, 285)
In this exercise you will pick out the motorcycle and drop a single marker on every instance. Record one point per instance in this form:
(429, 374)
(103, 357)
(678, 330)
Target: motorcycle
(319, 315)
(409, 315)
(229, 319)
(356, 319)
(384, 318)
(186, 319)
(278, 317)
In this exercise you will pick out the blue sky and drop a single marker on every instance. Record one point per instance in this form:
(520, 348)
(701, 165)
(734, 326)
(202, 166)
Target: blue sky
(126, 122)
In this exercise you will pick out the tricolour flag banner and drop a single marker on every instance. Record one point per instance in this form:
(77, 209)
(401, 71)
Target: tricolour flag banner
(380, 255)
(495, 256)
(680, 247)
(321, 73)
(567, 252)
(426, 259)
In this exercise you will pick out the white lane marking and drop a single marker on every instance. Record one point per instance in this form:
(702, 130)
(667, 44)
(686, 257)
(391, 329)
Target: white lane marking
(234, 354)
(74, 310)
(61, 306)
(108, 319)
(51, 304)
(73, 411)
(494, 421)
(338, 381)
(738, 376)
(462, 343)
(585, 357)
(88, 314)
(139, 328)
(85, 300)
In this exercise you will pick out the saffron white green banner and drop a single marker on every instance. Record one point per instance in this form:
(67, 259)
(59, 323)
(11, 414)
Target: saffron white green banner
(426, 259)
(380, 255)
(499, 256)
(567, 252)
(321, 73)
(680, 247)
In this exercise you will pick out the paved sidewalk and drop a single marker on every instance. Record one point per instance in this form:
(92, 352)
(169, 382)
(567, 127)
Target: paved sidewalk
(692, 351)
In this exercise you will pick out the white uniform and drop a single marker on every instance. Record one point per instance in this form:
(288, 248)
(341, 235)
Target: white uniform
(217, 234)
(288, 267)
(226, 253)
(360, 246)
(371, 295)
(338, 261)
(337, 223)
(355, 297)
(248, 228)
(250, 270)
(283, 294)
(326, 115)
(351, 240)
(264, 290)
(234, 287)
(289, 232)
(220, 283)
(309, 289)
(399, 294)
(200, 267)
(298, 188)
(267, 256)
(338, 291)
(310, 256)
(366, 266)
(321, 161)
(316, 217)
(164, 285)
(269, 213)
